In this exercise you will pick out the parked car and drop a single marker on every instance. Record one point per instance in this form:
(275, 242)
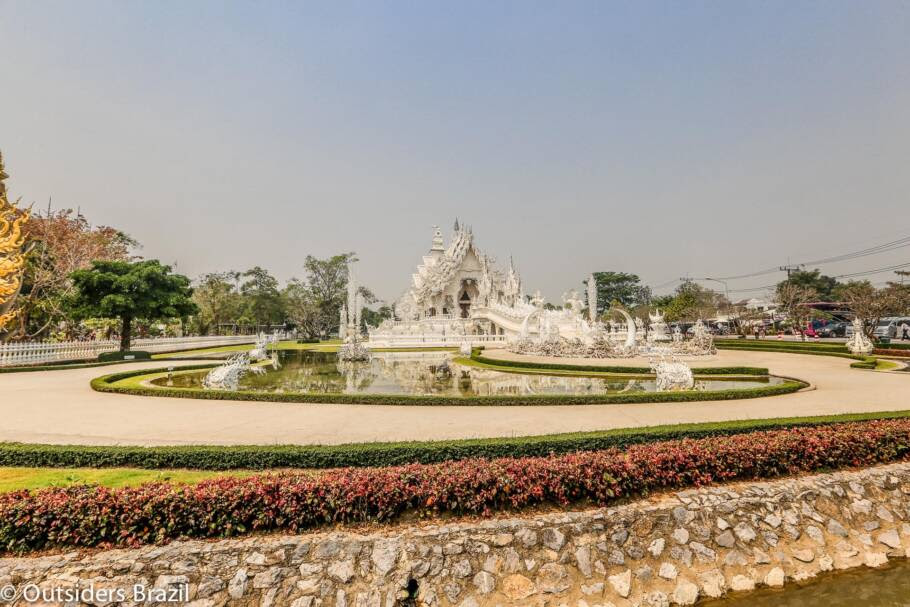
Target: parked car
(833, 329)
(886, 327)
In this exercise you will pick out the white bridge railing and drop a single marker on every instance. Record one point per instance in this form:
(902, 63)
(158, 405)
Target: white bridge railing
(36, 352)
(429, 340)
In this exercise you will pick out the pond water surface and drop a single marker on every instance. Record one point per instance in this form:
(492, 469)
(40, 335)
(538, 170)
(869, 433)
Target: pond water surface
(429, 373)
(888, 587)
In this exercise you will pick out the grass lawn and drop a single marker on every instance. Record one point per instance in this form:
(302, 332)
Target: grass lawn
(12, 479)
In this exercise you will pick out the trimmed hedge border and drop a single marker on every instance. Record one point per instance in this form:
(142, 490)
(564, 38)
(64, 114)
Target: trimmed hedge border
(106, 384)
(255, 457)
(90, 516)
(522, 364)
(863, 362)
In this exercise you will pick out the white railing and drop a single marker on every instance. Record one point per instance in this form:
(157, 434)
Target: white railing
(430, 340)
(36, 352)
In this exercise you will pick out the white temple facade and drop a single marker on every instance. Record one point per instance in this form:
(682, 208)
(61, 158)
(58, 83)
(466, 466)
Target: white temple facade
(454, 297)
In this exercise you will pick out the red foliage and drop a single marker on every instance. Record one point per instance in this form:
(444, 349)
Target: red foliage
(95, 516)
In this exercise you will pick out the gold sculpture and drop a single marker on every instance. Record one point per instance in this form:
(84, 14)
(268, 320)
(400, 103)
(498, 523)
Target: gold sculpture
(12, 251)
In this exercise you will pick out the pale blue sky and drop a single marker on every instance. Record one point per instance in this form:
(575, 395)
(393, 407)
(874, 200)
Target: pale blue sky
(661, 138)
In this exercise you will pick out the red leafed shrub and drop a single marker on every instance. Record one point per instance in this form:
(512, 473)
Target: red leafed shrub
(95, 516)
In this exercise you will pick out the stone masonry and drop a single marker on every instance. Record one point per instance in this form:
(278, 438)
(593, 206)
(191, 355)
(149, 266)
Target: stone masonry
(674, 549)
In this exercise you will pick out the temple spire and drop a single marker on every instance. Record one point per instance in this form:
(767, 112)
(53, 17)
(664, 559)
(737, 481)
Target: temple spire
(457, 228)
(438, 244)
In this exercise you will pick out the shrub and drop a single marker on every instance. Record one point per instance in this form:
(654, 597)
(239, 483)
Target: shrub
(122, 355)
(522, 364)
(255, 457)
(95, 516)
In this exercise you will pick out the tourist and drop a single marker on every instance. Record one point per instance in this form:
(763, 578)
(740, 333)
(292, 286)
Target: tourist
(905, 331)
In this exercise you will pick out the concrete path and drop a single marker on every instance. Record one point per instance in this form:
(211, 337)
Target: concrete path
(60, 407)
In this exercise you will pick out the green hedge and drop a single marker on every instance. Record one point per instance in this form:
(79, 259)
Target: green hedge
(385, 454)
(865, 362)
(122, 355)
(522, 364)
(107, 383)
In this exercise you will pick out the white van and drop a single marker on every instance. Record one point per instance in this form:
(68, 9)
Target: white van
(887, 327)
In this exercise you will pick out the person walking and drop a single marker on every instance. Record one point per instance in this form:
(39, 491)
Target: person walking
(905, 331)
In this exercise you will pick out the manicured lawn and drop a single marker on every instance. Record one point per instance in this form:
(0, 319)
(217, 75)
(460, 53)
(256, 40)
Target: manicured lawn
(12, 479)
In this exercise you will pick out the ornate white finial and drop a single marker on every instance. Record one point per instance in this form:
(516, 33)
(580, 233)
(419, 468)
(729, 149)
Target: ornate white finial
(437, 240)
(457, 228)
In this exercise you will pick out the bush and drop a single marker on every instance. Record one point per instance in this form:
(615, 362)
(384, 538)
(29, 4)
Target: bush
(109, 383)
(522, 364)
(121, 355)
(86, 516)
(308, 341)
(242, 457)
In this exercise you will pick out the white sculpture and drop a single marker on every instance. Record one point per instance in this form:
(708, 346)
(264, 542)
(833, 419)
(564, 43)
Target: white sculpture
(465, 348)
(858, 342)
(592, 299)
(227, 376)
(672, 375)
(658, 328)
(259, 350)
(352, 349)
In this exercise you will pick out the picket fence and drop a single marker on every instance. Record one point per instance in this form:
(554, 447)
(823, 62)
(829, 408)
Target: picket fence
(37, 352)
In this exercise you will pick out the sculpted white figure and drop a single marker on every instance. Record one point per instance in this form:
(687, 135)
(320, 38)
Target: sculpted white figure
(672, 375)
(658, 328)
(858, 342)
(352, 349)
(227, 376)
(592, 299)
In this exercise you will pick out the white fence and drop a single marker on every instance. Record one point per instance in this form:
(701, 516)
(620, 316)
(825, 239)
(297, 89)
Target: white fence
(37, 352)
(423, 341)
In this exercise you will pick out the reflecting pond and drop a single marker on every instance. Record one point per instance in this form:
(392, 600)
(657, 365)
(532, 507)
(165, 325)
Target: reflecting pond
(888, 587)
(429, 373)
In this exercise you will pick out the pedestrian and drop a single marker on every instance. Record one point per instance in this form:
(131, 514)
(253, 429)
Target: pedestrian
(755, 332)
(905, 331)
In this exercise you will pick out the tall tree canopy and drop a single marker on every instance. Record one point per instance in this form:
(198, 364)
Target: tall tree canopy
(129, 291)
(620, 287)
(262, 299)
(825, 288)
(63, 241)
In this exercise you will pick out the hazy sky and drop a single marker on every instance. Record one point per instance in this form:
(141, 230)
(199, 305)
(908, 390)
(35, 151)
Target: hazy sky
(662, 138)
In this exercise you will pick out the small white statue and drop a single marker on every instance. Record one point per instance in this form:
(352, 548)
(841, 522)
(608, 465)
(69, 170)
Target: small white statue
(858, 342)
(658, 328)
(227, 376)
(672, 375)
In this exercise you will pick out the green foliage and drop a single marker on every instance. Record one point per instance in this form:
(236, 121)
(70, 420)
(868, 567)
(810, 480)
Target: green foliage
(690, 302)
(129, 291)
(261, 298)
(124, 355)
(619, 287)
(520, 364)
(254, 457)
(824, 287)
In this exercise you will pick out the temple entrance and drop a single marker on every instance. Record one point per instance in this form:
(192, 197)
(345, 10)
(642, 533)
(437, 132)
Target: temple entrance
(464, 302)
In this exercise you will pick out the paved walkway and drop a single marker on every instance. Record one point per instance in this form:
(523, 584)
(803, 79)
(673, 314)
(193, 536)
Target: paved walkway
(60, 407)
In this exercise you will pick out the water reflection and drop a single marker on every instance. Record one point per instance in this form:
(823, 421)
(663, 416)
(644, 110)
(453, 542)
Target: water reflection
(889, 587)
(429, 373)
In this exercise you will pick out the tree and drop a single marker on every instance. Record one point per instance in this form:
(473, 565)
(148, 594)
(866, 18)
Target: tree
(326, 282)
(62, 242)
(792, 299)
(619, 287)
(218, 301)
(129, 291)
(13, 222)
(825, 287)
(871, 304)
(261, 297)
(692, 301)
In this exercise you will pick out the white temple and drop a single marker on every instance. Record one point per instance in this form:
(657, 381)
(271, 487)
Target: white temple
(452, 297)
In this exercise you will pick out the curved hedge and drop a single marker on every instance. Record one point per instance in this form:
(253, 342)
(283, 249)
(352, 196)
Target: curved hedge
(88, 516)
(255, 457)
(523, 364)
(108, 383)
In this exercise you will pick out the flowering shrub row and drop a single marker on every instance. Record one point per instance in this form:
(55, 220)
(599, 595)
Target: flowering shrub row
(95, 516)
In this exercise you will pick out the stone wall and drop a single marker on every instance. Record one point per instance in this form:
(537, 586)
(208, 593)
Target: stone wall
(671, 550)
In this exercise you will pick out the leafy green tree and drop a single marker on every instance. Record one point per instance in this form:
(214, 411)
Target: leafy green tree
(129, 291)
(692, 301)
(619, 287)
(826, 288)
(218, 300)
(327, 281)
(261, 297)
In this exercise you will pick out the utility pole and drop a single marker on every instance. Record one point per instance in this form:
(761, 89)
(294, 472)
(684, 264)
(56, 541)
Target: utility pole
(789, 269)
